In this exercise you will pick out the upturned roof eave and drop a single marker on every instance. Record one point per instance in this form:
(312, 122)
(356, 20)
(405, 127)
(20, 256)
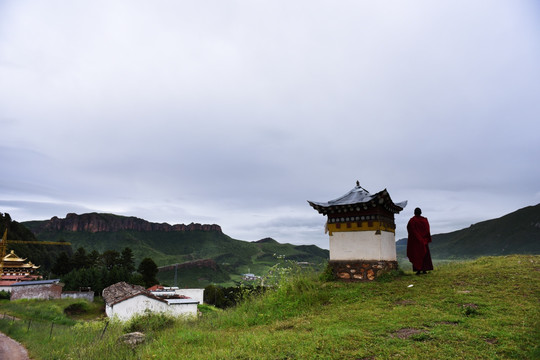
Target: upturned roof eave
(372, 200)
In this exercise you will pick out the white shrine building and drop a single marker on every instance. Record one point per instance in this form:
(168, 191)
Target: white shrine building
(361, 231)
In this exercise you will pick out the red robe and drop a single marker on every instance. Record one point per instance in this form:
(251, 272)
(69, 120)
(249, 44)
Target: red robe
(417, 243)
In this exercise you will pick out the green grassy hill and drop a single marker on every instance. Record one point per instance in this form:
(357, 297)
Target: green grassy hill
(231, 257)
(515, 233)
(481, 309)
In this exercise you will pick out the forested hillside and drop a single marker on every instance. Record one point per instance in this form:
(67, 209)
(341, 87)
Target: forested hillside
(226, 258)
(42, 255)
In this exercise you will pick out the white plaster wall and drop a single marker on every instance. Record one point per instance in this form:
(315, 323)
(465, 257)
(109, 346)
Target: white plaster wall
(363, 245)
(187, 310)
(108, 310)
(195, 294)
(136, 305)
(140, 304)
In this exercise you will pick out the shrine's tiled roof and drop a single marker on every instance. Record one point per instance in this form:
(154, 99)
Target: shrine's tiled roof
(357, 199)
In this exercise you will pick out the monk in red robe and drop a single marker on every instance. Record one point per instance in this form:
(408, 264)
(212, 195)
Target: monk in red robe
(417, 243)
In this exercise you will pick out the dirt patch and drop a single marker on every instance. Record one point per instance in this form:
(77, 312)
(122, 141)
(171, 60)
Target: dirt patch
(452, 323)
(10, 349)
(77, 309)
(285, 327)
(407, 333)
(405, 302)
(133, 339)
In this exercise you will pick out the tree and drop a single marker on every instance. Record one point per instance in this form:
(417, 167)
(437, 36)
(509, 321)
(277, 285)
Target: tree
(80, 259)
(93, 259)
(116, 274)
(63, 264)
(148, 269)
(85, 277)
(110, 258)
(213, 295)
(127, 261)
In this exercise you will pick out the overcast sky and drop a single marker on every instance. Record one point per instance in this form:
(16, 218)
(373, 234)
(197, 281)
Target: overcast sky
(238, 112)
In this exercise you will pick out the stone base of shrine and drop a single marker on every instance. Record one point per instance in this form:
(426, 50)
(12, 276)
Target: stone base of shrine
(361, 270)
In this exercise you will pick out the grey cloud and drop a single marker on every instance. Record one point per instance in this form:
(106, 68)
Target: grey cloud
(237, 113)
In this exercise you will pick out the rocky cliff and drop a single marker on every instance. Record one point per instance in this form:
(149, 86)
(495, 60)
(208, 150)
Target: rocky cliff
(95, 222)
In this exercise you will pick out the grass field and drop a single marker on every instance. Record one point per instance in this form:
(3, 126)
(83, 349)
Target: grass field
(482, 309)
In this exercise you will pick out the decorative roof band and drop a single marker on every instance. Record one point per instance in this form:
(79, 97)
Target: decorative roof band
(361, 226)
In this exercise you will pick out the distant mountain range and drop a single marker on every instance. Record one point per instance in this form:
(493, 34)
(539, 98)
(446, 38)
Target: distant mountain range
(95, 222)
(206, 255)
(515, 233)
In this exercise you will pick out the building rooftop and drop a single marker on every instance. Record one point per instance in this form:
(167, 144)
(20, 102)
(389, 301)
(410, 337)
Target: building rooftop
(357, 199)
(13, 261)
(20, 277)
(173, 301)
(37, 282)
(13, 257)
(121, 291)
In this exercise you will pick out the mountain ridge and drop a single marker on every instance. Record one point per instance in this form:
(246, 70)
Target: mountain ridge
(99, 222)
(515, 233)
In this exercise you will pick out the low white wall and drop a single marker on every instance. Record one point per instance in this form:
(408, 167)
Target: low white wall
(186, 310)
(5, 288)
(195, 294)
(363, 245)
(87, 295)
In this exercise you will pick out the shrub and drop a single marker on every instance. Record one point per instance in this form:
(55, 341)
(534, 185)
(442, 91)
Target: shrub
(149, 322)
(231, 296)
(77, 308)
(470, 309)
(5, 295)
(391, 275)
(207, 309)
(327, 274)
